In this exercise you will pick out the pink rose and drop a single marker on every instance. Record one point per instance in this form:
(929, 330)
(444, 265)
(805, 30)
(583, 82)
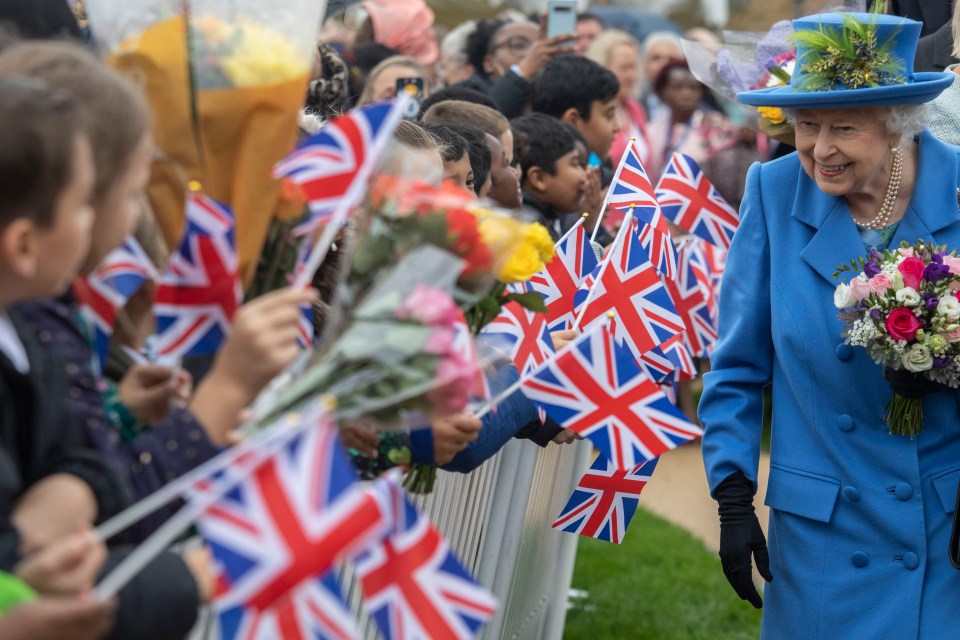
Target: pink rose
(453, 380)
(440, 342)
(912, 271)
(880, 284)
(902, 324)
(953, 336)
(860, 288)
(430, 306)
(953, 263)
(906, 253)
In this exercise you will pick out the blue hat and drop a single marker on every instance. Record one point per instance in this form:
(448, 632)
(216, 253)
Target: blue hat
(878, 73)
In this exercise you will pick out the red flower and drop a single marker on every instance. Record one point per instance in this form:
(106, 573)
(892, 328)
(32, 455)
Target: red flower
(902, 324)
(463, 231)
(912, 271)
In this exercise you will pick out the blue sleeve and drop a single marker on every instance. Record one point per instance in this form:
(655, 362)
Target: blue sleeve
(731, 408)
(498, 427)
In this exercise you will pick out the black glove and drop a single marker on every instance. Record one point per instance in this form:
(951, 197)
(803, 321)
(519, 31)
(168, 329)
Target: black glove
(741, 538)
(911, 385)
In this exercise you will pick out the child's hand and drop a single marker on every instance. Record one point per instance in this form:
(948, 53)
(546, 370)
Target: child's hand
(593, 199)
(452, 434)
(562, 338)
(566, 437)
(52, 509)
(200, 563)
(362, 438)
(65, 568)
(262, 343)
(147, 390)
(59, 619)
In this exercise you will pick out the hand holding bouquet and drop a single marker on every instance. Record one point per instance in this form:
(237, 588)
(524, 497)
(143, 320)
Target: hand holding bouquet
(903, 308)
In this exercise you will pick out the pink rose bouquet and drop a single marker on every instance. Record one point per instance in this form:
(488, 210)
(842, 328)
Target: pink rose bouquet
(903, 308)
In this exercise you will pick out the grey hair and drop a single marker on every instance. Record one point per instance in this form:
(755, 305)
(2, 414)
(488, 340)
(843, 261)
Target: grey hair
(454, 44)
(660, 37)
(906, 119)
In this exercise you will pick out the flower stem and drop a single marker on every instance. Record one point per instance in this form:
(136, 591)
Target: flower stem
(904, 416)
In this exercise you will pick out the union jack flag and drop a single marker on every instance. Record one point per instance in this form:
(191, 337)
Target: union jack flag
(597, 389)
(306, 327)
(670, 361)
(692, 297)
(521, 334)
(561, 277)
(655, 237)
(627, 284)
(605, 499)
(631, 184)
(716, 261)
(332, 166)
(104, 292)
(413, 585)
(276, 535)
(200, 290)
(690, 200)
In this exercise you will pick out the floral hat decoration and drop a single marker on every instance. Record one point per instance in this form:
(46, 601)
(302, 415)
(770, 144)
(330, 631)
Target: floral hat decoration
(852, 60)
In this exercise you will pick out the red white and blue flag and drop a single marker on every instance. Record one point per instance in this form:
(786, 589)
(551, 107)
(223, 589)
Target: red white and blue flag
(655, 237)
(521, 334)
(595, 388)
(200, 290)
(691, 201)
(692, 297)
(670, 361)
(561, 278)
(604, 501)
(306, 327)
(276, 536)
(413, 584)
(628, 285)
(103, 293)
(332, 166)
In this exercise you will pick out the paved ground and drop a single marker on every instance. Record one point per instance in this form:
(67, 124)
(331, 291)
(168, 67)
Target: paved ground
(678, 492)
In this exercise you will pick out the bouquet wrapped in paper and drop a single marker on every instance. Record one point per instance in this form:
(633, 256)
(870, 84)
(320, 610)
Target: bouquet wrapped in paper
(225, 80)
(903, 308)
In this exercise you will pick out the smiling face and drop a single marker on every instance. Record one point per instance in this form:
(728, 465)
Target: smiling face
(846, 151)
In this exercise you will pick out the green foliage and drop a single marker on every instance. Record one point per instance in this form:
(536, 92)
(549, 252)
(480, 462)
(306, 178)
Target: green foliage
(847, 58)
(659, 584)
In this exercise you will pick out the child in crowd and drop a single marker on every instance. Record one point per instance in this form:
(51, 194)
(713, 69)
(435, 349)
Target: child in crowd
(552, 169)
(504, 174)
(480, 158)
(456, 161)
(263, 338)
(51, 484)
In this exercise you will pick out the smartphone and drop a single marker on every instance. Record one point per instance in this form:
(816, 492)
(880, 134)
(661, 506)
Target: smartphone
(413, 87)
(594, 161)
(561, 17)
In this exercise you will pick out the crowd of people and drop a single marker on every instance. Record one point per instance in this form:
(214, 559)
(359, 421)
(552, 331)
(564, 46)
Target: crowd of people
(535, 125)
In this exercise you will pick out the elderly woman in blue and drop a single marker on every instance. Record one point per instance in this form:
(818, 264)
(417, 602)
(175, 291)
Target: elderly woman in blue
(859, 519)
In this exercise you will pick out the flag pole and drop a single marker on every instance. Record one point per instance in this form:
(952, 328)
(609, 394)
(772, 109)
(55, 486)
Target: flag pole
(627, 222)
(577, 225)
(616, 176)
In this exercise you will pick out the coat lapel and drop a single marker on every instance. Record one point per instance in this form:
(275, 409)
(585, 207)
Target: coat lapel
(835, 239)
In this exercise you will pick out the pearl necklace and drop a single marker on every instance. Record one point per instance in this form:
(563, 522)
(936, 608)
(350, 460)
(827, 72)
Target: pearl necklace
(879, 221)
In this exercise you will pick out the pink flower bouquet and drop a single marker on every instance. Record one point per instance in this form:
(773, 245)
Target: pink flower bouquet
(903, 308)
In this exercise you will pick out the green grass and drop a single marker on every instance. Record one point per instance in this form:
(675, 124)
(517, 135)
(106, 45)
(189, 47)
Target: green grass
(660, 583)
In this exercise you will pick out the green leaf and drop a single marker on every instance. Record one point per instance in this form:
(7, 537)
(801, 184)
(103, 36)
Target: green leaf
(530, 300)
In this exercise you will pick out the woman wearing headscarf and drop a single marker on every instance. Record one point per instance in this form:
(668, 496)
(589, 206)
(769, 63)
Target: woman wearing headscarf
(859, 519)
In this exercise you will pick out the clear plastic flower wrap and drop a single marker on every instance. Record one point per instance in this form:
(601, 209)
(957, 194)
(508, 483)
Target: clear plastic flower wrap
(225, 80)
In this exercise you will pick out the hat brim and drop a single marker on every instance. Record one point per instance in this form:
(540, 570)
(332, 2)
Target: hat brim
(925, 87)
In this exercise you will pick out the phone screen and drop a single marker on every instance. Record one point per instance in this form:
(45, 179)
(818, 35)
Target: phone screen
(413, 87)
(561, 17)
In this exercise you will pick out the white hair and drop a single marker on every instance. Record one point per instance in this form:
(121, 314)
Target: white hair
(454, 44)
(660, 37)
(906, 119)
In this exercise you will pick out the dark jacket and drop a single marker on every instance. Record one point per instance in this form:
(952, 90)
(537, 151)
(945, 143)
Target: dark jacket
(935, 51)
(932, 13)
(510, 92)
(173, 446)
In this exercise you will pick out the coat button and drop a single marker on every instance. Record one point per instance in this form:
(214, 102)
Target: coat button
(851, 493)
(844, 422)
(903, 491)
(859, 559)
(844, 351)
(910, 561)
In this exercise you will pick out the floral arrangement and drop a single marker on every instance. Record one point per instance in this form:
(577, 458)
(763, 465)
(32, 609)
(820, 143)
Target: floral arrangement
(903, 308)
(779, 70)
(848, 58)
(243, 53)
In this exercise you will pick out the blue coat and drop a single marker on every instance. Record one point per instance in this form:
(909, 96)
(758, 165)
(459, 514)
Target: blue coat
(859, 519)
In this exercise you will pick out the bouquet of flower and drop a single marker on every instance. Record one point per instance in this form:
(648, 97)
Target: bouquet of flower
(903, 308)
(225, 80)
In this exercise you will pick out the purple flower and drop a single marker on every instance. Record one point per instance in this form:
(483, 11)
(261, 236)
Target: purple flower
(931, 304)
(870, 269)
(874, 255)
(938, 257)
(936, 271)
(875, 314)
(941, 361)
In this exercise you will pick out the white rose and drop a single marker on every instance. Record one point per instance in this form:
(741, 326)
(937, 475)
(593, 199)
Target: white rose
(843, 296)
(908, 297)
(949, 307)
(917, 358)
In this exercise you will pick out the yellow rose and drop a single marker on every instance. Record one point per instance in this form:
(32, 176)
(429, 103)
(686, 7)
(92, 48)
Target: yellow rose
(524, 262)
(537, 235)
(773, 114)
